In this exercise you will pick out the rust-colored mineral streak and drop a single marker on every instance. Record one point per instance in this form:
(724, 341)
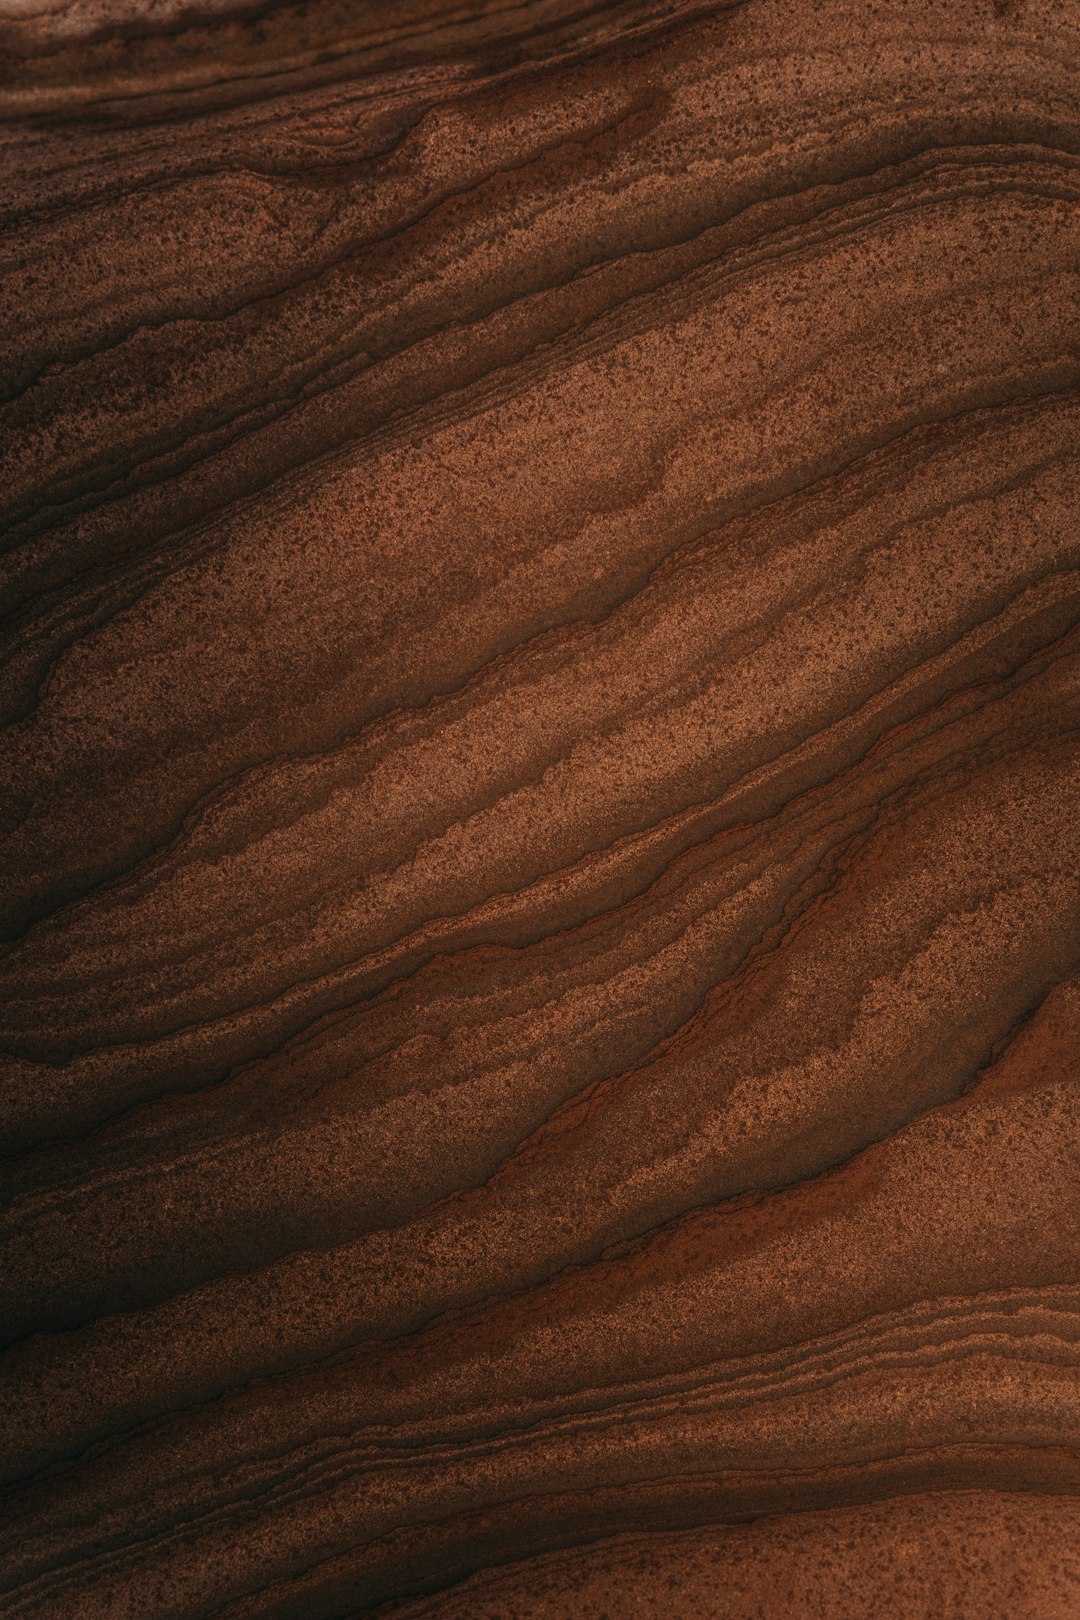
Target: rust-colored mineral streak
(540, 676)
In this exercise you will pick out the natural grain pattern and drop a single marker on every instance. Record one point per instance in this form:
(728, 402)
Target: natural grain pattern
(920, 1555)
(540, 982)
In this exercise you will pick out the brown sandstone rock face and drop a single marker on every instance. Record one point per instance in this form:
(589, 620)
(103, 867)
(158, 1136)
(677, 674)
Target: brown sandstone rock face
(540, 676)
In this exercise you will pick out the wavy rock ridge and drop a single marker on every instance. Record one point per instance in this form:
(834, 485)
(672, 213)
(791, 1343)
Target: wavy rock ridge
(540, 983)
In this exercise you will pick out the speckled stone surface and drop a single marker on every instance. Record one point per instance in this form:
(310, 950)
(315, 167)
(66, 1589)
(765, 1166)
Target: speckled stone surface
(539, 771)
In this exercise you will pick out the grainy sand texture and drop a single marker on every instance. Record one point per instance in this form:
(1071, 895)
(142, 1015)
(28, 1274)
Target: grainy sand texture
(540, 780)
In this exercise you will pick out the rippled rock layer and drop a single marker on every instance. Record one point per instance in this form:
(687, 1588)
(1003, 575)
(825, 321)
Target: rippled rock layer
(540, 676)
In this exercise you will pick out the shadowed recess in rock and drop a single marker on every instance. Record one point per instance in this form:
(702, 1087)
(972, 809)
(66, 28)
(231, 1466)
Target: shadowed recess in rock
(539, 704)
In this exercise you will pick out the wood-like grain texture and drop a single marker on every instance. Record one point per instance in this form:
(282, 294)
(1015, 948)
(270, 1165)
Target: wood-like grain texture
(540, 681)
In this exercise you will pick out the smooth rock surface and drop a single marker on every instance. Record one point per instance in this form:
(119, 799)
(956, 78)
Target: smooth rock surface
(540, 686)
